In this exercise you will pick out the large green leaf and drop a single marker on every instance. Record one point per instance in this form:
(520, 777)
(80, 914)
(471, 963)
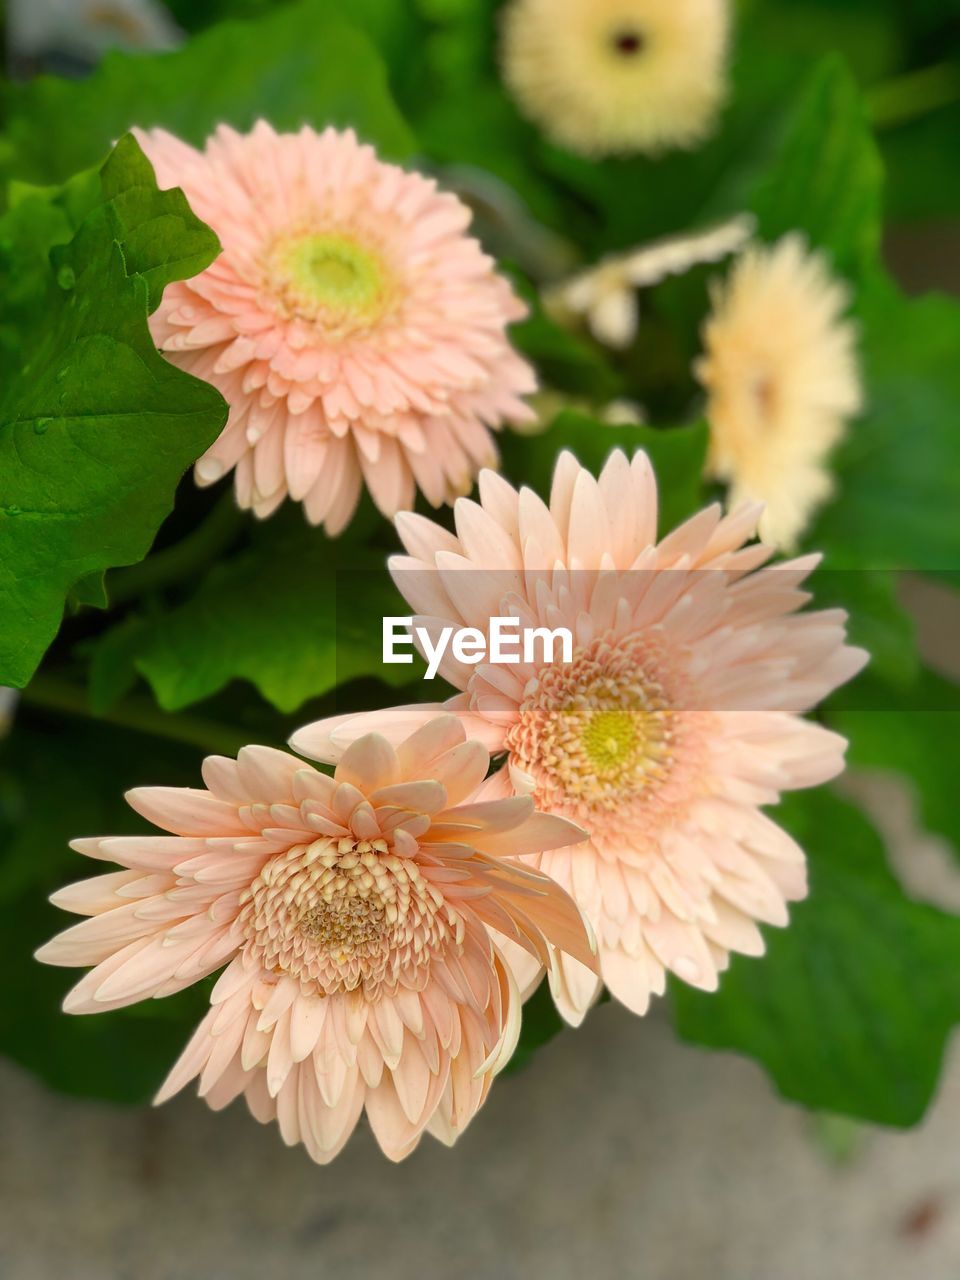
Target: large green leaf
(28, 286)
(922, 184)
(826, 179)
(162, 239)
(96, 428)
(123, 1055)
(293, 614)
(863, 31)
(912, 729)
(899, 470)
(298, 64)
(851, 1007)
(677, 455)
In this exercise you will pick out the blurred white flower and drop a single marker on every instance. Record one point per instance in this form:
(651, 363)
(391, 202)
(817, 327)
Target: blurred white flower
(623, 413)
(86, 29)
(605, 295)
(548, 403)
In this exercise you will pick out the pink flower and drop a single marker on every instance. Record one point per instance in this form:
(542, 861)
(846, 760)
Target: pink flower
(360, 918)
(355, 330)
(676, 721)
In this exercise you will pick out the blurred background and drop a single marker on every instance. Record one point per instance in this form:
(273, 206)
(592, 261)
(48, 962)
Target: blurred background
(625, 1152)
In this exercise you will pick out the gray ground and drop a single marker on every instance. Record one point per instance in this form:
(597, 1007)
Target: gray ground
(621, 1154)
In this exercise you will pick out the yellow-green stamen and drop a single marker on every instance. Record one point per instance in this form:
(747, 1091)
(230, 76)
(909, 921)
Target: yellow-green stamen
(330, 279)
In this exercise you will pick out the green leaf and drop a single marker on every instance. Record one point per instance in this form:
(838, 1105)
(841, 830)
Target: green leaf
(123, 1055)
(90, 591)
(839, 1138)
(851, 1008)
(863, 31)
(912, 730)
(28, 232)
(677, 454)
(112, 673)
(298, 64)
(162, 238)
(827, 178)
(899, 470)
(473, 124)
(286, 614)
(564, 360)
(921, 185)
(96, 428)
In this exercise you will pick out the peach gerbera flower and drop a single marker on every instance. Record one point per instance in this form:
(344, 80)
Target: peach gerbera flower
(357, 916)
(780, 370)
(677, 719)
(355, 330)
(615, 76)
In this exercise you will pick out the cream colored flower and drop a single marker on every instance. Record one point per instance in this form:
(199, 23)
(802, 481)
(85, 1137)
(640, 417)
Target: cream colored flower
(781, 374)
(605, 295)
(606, 76)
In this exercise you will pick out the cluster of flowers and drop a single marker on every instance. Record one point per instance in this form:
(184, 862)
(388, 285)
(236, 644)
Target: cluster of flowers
(379, 928)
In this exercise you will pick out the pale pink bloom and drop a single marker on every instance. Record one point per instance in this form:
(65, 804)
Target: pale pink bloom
(677, 720)
(356, 331)
(360, 918)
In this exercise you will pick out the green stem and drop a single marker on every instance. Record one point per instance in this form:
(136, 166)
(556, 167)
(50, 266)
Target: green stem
(53, 693)
(180, 561)
(915, 94)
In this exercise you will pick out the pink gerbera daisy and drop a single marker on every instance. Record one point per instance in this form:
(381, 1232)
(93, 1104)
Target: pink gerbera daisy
(676, 721)
(355, 330)
(360, 918)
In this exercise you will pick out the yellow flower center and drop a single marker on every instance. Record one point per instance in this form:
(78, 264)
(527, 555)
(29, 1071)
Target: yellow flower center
(609, 738)
(596, 730)
(329, 279)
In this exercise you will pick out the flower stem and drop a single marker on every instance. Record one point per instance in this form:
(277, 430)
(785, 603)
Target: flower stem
(915, 94)
(174, 564)
(54, 693)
